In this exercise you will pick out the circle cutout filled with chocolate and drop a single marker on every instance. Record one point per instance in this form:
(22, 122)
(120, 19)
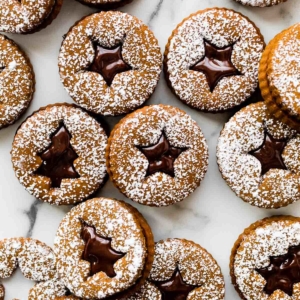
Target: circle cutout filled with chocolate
(58, 154)
(110, 63)
(105, 4)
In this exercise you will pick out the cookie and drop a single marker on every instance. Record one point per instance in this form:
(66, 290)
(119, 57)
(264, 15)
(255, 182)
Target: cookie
(260, 3)
(105, 4)
(104, 249)
(16, 81)
(278, 76)
(157, 155)
(110, 63)
(36, 261)
(182, 270)
(211, 60)
(58, 154)
(27, 16)
(258, 156)
(264, 262)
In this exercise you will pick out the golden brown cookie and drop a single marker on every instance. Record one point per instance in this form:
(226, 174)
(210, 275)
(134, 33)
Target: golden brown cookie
(211, 60)
(27, 16)
(104, 249)
(105, 4)
(265, 259)
(16, 81)
(36, 261)
(258, 156)
(58, 154)
(278, 76)
(260, 3)
(110, 63)
(182, 270)
(157, 155)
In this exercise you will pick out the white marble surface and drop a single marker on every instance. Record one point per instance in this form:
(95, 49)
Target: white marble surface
(213, 216)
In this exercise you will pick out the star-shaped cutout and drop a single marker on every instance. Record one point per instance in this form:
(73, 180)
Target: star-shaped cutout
(108, 62)
(58, 158)
(283, 272)
(270, 153)
(174, 288)
(161, 156)
(98, 252)
(216, 64)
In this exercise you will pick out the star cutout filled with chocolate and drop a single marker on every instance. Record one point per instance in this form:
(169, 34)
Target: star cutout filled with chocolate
(283, 272)
(174, 288)
(98, 252)
(108, 62)
(270, 153)
(216, 64)
(161, 156)
(58, 158)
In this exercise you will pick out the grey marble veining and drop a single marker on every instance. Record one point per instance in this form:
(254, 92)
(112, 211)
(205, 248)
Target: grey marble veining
(213, 216)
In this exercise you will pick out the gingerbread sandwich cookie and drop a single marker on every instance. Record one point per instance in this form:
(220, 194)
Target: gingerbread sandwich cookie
(182, 270)
(260, 3)
(110, 63)
(265, 260)
(104, 248)
(211, 59)
(58, 154)
(105, 4)
(36, 261)
(27, 16)
(157, 155)
(258, 156)
(16, 82)
(279, 75)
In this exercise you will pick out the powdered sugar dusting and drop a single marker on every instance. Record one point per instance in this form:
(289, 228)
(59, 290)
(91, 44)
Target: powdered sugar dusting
(242, 171)
(16, 82)
(128, 165)
(271, 239)
(88, 140)
(17, 17)
(148, 292)
(284, 69)
(112, 219)
(196, 266)
(261, 3)
(140, 50)
(221, 27)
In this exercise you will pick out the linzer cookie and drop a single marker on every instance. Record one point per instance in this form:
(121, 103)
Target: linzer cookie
(36, 261)
(58, 154)
(212, 58)
(265, 260)
(260, 3)
(105, 4)
(157, 155)
(183, 270)
(258, 156)
(110, 63)
(104, 249)
(27, 16)
(16, 81)
(279, 75)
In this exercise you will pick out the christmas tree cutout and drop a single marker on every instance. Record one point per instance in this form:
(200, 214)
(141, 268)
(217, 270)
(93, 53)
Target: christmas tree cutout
(58, 158)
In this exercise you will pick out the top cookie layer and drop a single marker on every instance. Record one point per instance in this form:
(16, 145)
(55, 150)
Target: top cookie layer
(139, 50)
(261, 3)
(221, 28)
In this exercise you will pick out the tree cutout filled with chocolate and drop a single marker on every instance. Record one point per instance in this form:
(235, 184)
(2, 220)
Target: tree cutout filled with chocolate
(216, 64)
(99, 252)
(108, 62)
(283, 272)
(174, 288)
(270, 154)
(58, 158)
(161, 156)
